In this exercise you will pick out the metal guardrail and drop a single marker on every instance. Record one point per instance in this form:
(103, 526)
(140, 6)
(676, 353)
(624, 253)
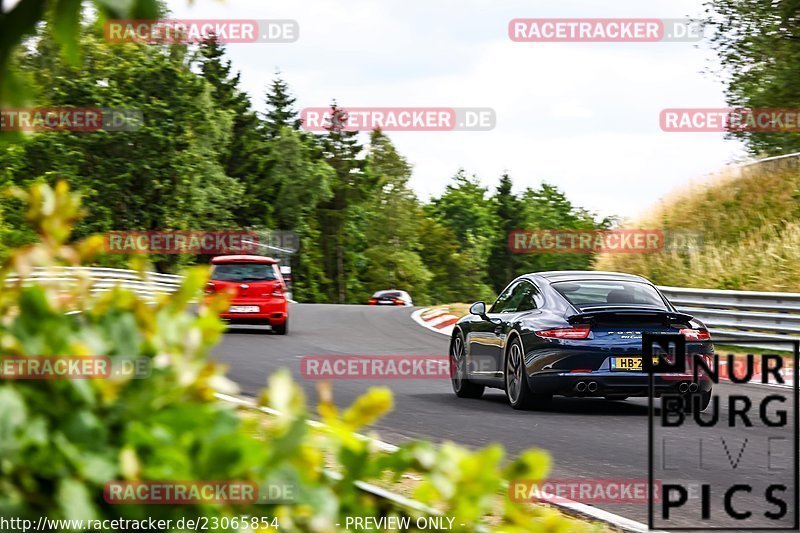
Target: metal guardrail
(728, 314)
(148, 285)
(785, 158)
(742, 314)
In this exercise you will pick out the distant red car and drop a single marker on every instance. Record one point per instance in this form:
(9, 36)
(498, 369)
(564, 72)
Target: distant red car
(258, 288)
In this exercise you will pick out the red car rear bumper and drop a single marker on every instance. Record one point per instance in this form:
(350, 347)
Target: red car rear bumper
(274, 311)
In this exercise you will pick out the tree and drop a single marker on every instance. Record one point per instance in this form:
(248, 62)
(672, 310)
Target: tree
(467, 210)
(439, 251)
(758, 43)
(164, 175)
(280, 109)
(20, 21)
(245, 156)
(304, 182)
(392, 254)
(546, 207)
(502, 263)
(341, 217)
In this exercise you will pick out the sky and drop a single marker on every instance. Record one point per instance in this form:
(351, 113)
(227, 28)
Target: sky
(582, 116)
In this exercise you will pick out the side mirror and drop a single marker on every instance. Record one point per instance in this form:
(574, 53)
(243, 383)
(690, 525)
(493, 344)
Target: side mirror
(478, 308)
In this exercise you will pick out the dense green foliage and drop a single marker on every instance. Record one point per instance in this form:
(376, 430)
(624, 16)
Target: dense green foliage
(758, 43)
(205, 159)
(63, 440)
(21, 19)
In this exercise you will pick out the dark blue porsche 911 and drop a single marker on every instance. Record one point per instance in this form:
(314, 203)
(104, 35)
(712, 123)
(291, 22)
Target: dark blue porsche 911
(573, 333)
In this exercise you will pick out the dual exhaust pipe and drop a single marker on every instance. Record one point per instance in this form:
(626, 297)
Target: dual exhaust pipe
(592, 386)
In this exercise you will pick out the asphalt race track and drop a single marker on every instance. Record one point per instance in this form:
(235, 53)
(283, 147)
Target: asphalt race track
(588, 438)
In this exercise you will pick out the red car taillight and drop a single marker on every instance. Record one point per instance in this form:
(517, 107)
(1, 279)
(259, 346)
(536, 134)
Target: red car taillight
(398, 301)
(577, 332)
(696, 334)
(210, 288)
(277, 291)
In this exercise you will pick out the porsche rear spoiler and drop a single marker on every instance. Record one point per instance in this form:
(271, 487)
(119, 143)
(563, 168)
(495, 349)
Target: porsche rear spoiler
(589, 316)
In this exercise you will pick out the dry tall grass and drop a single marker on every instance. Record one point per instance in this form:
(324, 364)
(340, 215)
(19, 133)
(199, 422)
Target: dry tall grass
(750, 222)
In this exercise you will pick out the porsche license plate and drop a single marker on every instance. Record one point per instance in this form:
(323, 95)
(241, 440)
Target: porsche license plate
(628, 364)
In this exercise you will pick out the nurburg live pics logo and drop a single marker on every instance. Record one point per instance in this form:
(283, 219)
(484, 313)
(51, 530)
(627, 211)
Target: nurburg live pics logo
(747, 451)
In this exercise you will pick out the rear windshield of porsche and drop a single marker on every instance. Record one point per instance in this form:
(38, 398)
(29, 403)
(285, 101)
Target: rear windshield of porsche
(592, 293)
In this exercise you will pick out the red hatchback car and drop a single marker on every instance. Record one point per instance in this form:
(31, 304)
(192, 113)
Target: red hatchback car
(258, 289)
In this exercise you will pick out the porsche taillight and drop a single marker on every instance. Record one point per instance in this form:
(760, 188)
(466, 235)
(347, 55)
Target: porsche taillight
(576, 332)
(700, 334)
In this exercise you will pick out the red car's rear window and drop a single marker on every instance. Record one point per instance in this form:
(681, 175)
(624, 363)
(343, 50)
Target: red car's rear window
(244, 272)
